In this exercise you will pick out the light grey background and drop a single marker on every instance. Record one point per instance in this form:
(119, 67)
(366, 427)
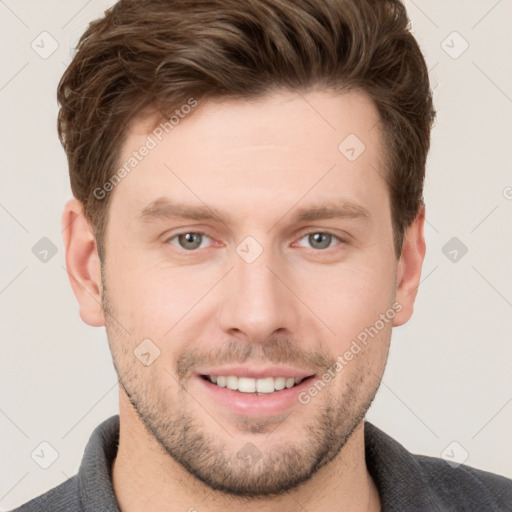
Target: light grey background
(449, 373)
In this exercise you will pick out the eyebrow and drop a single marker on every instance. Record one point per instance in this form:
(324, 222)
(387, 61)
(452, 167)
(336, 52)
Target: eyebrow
(164, 209)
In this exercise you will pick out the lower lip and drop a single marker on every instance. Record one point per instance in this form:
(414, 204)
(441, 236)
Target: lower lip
(248, 404)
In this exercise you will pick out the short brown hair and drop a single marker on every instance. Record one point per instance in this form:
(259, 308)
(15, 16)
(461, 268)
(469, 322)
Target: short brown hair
(159, 53)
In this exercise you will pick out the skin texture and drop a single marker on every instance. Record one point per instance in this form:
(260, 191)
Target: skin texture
(253, 164)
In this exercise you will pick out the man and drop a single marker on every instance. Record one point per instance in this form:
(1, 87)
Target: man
(248, 226)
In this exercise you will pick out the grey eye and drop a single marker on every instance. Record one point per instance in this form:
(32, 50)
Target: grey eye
(189, 241)
(319, 240)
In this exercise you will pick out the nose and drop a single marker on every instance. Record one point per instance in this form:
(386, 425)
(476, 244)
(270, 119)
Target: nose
(256, 301)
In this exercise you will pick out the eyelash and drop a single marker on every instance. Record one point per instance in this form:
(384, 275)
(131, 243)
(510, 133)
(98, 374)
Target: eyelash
(335, 237)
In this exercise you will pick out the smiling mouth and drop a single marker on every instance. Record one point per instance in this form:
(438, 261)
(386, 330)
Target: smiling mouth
(266, 385)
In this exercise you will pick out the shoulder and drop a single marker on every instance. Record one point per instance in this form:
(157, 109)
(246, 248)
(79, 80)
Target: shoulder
(465, 485)
(418, 483)
(91, 489)
(62, 498)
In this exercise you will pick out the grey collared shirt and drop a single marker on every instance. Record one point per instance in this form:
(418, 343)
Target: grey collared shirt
(406, 482)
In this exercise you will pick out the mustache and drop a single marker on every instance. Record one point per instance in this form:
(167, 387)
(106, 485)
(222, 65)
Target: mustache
(235, 351)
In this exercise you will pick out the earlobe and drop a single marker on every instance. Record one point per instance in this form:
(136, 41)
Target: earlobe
(409, 268)
(83, 263)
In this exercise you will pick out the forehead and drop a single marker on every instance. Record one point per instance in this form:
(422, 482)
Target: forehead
(245, 153)
(325, 113)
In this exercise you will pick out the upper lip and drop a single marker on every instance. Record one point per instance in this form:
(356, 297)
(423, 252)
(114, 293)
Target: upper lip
(258, 372)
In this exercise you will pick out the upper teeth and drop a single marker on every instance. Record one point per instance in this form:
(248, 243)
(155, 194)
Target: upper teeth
(250, 385)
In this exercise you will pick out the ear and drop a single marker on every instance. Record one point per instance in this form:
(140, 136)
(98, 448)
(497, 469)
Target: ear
(409, 268)
(83, 263)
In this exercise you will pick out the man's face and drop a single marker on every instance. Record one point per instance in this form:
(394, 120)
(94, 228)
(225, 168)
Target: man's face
(266, 285)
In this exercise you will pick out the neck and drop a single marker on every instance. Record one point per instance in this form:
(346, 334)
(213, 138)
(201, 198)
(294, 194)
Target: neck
(145, 477)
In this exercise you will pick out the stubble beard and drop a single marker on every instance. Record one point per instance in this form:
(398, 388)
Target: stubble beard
(254, 471)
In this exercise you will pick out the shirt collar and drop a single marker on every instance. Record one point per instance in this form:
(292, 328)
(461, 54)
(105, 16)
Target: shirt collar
(397, 474)
(95, 473)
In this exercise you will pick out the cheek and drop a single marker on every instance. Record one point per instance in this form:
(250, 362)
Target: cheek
(349, 298)
(152, 300)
